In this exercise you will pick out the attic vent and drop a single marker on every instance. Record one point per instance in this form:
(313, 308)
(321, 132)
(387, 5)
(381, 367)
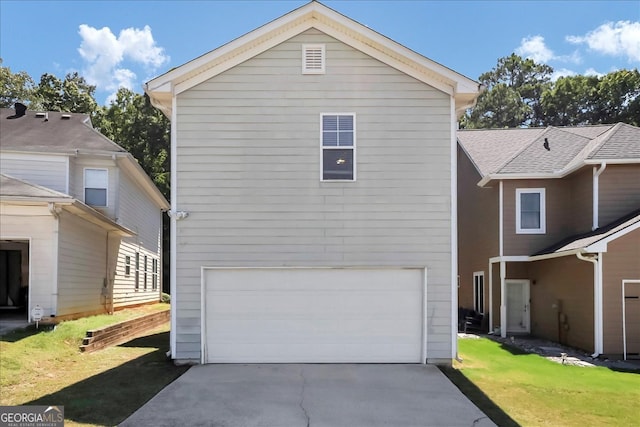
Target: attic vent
(65, 116)
(40, 115)
(313, 59)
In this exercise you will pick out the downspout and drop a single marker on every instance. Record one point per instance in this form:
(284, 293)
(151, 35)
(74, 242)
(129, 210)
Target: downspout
(596, 191)
(596, 260)
(454, 228)
(55, 212)
(503, 273)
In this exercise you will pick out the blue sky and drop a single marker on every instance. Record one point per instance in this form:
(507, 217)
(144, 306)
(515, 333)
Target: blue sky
(125, 43)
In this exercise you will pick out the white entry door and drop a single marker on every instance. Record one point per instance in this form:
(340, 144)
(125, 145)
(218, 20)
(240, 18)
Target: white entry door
(518, 313)
(313, 315)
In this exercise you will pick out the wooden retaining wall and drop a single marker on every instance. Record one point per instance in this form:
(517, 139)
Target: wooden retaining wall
(119, 333)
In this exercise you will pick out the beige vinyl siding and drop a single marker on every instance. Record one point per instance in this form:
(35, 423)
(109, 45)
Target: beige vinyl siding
(82, 163)
(562, 285)
(82, 271)
(137, 212)
(47, 171)
(619, 192)
(478, 228)
(559, 216)
(37, 224)
(248, 173)
(581, 208)
(620, 262)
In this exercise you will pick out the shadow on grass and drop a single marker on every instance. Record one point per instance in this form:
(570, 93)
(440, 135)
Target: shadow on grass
(22, 333)
(110, 397)
(477, 396)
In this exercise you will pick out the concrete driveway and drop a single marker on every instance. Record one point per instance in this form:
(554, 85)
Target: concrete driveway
(310, 396)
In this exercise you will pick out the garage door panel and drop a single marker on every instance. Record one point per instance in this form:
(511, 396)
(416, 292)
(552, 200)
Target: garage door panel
(313, 315)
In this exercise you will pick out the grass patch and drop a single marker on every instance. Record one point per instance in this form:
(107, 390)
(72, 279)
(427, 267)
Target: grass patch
(518, 388)
(46, 367)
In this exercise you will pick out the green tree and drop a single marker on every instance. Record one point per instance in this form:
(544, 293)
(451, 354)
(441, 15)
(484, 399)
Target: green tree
(15, 87)
(133, 123)
(73, 94)
(513, 95)
(619, 97)
(571, 101)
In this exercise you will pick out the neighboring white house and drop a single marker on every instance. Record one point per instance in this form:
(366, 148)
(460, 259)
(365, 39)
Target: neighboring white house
(313, 197)
(80, 221)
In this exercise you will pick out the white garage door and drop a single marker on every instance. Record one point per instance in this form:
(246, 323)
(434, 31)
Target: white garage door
(313, 315)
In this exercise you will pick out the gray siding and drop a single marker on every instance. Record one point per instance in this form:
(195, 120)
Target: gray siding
(82, 263)
(248, 156)
(138, 213)
(77, 184)
(47, 171)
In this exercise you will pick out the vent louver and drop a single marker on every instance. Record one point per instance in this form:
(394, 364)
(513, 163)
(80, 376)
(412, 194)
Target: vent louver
(313, 59)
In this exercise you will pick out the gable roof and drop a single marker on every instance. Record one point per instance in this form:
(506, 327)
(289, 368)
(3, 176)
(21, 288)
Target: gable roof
(68, 134)
(312, 15)
(52, 132)
(551, 152)
(594, 241)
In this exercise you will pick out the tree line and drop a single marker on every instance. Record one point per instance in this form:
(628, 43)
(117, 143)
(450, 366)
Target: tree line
(518, 93)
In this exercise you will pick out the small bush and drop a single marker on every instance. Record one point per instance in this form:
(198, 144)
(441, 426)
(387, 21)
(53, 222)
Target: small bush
(165, 298)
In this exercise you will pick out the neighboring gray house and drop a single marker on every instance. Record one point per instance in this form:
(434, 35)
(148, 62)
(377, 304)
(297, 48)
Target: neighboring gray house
(80, 221)
(313, 197)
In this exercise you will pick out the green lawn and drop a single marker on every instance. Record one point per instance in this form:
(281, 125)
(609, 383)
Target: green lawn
(532, 391)
(46, 367)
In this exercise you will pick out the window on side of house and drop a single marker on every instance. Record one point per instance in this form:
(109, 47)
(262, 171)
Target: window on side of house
(145, 272)
(154, 274)
(338, 143)
(127, 266)
(95, 187)
(530, 211)
(478, 291)
(137, 281)
(313, 59)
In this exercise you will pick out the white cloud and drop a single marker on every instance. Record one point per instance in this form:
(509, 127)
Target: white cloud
(593, 72)
(621, 38)
(104, 55)
(535, 48)
(562, 72)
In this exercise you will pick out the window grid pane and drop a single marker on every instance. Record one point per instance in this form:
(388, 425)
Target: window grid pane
(530, 210)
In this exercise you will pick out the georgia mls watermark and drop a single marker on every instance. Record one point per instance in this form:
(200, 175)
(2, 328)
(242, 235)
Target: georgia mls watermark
(32, 416)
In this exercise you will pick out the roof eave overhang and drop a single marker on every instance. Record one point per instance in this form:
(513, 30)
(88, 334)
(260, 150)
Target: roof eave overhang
(133, 168)
(629, 161)
(162, 89)
(74, 207)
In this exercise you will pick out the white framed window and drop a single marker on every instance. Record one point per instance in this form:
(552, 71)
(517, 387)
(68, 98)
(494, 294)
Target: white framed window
(313, 59)
(338, 147)
(95, 187)
(145, 272)
(127, 266)
(478, 292)
(530, 211)
(136, 284)
(154, 274)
